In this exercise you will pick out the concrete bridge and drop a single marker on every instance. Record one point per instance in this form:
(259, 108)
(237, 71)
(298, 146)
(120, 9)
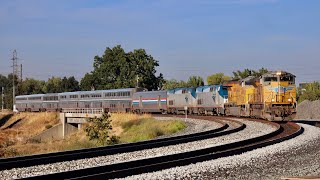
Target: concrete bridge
(71, 120)
(77, 117)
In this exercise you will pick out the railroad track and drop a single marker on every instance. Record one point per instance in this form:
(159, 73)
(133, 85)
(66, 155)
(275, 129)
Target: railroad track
(284, 131)
(26, 161)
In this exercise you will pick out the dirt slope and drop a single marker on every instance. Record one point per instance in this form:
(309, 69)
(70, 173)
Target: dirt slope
(20, 127)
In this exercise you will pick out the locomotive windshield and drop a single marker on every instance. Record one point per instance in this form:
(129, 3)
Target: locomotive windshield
(287, 78)
(283, 78)
(269, 79)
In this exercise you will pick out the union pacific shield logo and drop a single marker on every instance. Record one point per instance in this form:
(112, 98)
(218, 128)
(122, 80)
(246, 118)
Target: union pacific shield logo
(281, 89)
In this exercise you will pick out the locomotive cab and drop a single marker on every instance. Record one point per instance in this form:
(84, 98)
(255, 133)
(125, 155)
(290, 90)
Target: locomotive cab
(279, 95)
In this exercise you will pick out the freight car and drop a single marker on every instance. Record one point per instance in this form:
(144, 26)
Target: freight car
(271, 96)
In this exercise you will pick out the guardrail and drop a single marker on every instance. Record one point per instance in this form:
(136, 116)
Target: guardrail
(84, 110)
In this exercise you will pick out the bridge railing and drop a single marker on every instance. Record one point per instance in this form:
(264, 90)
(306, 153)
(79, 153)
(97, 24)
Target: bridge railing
(83, 110)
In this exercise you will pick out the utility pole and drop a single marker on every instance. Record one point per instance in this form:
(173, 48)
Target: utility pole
(137, 85)
(20, 72)
(2, 94)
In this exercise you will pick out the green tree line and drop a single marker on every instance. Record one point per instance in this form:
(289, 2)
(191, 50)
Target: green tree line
(311, 92)
(33, 86)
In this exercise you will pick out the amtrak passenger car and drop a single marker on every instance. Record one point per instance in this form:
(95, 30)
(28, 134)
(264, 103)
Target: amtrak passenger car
(115, 100)
(30, 102)
(150, 101)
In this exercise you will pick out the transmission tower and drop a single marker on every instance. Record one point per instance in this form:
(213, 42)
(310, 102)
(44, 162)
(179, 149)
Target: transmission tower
(16, 75)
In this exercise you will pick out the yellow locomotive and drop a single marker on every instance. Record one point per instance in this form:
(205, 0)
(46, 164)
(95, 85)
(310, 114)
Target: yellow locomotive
(271, 96)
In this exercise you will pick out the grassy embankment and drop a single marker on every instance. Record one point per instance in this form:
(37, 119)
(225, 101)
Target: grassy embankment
(17, 129)
(128, 127)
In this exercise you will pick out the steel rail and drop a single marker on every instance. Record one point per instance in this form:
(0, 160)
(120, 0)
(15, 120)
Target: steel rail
(124, 169)
(26, 161)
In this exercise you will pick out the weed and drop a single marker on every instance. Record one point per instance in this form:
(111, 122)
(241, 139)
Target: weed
(48, 126)
(8, 152)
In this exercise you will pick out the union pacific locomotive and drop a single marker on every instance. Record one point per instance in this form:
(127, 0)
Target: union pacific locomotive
(271, 96)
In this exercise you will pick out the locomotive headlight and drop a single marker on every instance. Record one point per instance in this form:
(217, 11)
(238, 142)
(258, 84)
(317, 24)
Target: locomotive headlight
(289, 100)
(272, 100)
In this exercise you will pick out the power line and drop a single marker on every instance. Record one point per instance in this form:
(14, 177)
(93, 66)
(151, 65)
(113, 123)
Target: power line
(2, 95)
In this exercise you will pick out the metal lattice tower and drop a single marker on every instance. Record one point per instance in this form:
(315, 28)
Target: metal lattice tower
(16, 74)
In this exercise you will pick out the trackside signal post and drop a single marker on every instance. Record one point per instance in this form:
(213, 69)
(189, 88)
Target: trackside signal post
(186, 111)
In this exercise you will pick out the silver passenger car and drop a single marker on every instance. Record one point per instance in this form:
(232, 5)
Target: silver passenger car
(150, 101)
(29, 103)
(114, 100)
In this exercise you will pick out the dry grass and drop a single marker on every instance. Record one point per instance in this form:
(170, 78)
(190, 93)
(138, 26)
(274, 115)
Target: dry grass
(129, 127)
(75, 141)
(20, 127)
(29, 124)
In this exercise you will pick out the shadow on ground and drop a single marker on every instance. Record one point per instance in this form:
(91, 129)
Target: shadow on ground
(5, 119)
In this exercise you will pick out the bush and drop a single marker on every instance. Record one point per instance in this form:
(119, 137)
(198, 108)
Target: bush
(48, 126)
(8, 152)
(7, 143)
(99, 129)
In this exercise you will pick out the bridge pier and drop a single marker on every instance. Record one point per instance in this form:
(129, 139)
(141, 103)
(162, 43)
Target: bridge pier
(78, 117)
(63, 122)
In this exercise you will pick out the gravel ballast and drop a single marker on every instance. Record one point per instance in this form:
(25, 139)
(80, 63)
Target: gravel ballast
(253, 129)
(308, 110)
(295, 157)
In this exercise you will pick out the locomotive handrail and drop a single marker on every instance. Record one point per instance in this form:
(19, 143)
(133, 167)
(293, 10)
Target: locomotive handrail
(83, 110)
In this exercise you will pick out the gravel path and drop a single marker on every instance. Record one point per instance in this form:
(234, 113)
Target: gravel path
(253, 129)
(296, 157)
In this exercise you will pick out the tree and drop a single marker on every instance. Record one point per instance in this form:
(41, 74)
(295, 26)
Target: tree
(7, 83)
(53, 85)
(248, 72)
(172, 84)
(310, 92)
(195, 81)
(88, 82)
(218, 78)
(241, 74)
(31, 86)
(260, 72)
(69, 84)
(118, 69)
(99, 129)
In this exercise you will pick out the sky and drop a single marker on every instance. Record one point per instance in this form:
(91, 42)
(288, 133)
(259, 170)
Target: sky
(187, 37)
